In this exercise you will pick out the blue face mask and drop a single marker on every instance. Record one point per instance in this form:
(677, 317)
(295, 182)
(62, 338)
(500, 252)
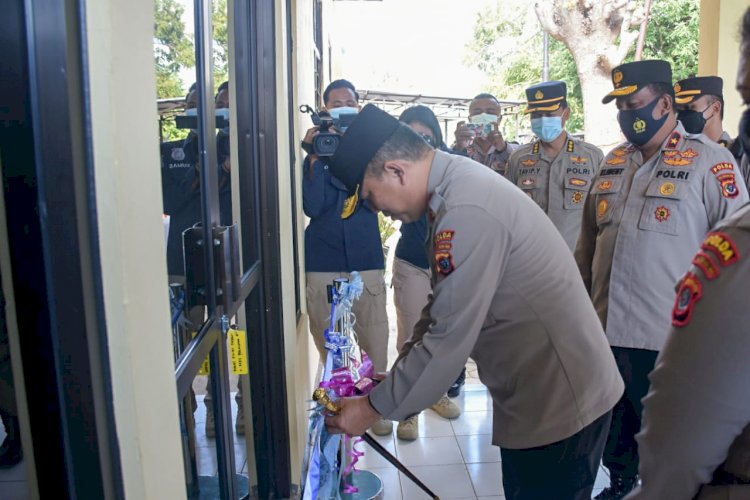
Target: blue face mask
(547, 128)
(638, 125)
(338, 113)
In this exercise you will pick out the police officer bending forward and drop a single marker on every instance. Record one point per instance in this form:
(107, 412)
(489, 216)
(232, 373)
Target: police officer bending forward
(506, 292)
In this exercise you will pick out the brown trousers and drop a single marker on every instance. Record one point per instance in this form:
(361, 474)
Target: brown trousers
(369, 311)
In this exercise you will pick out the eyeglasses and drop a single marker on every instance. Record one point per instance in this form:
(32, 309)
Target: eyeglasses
(430, 140)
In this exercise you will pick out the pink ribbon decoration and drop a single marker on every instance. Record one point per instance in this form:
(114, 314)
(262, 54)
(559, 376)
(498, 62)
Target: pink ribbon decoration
(355, 455)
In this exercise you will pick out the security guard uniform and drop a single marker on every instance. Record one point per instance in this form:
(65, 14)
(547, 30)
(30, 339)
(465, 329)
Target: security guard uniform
(505, 291)
(558, 185)
(181, 199)
(641, 224)
(695, 441)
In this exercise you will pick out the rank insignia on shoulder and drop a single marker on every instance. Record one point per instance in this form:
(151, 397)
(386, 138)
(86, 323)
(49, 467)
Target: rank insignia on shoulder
(674, 140)
(617, 160)
(601, 209)
(706, 263)
(729, 188)
(530, 162)
(444, 262)
(721, 166)
(571, 145)
(688, 294)
(722, 246)
(535, 149)
(662, 213)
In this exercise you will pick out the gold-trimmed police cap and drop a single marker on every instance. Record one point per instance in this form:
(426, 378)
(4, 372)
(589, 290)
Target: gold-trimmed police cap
(359, 144)
(546, 96)
(631, 77)
(689, 89)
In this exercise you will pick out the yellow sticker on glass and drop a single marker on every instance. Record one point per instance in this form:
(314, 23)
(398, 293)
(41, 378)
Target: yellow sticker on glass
(238, 349)
(205, 368)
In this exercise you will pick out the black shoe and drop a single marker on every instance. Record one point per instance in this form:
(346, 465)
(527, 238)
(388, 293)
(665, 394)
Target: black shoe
(455, 389)
(619, 487)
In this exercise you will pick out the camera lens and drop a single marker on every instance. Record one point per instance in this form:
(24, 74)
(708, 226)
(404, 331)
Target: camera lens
(325, 144)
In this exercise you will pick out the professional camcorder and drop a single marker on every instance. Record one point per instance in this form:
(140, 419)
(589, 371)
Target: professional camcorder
(330, 128)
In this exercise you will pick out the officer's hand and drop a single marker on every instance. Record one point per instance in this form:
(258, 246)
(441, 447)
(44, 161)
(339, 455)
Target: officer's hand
(496, 138)
(311, 133)
(354, 418)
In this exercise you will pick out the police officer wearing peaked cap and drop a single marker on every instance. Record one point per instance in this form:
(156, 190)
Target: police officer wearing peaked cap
(700, 108)
(556, 169)
(505, 291)
(651, 203)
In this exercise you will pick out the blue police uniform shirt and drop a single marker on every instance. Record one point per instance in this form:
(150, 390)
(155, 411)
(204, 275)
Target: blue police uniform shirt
(333, 244)
(411, 245)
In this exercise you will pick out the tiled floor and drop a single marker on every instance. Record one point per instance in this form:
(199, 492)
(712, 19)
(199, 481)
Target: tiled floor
(13, 484)
(453, 458)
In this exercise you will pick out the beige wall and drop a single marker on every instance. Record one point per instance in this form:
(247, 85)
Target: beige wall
(119, 38)
(719, 51)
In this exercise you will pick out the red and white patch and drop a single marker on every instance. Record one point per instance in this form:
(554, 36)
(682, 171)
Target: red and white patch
(706, 263)
(729, 187)
(688, 294)
(721, 167)
(722, 246)
(443, 249)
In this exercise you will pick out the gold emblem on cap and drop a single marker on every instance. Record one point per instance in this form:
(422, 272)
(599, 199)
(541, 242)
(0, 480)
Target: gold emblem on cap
(639, 126)
(617, 77)
(539, 94)
(667, 188)
(677, 88)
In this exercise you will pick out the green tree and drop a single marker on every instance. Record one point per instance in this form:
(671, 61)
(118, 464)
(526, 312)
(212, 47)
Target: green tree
(221, 42)
(507, 46)
(173, 48)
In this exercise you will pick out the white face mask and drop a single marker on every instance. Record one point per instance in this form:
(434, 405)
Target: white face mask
(483, 119)
(346, 110)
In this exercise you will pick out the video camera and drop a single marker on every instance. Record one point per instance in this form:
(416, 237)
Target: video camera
(326, 142)
(189, 119)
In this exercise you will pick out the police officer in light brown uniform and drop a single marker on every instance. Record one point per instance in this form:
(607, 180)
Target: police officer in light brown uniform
(700, 108)
(555, 170)
(652, 202)
(696, 417)
(506, 292)
(695, 441)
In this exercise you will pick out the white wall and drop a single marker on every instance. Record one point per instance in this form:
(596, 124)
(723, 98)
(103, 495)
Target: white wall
(129, 205)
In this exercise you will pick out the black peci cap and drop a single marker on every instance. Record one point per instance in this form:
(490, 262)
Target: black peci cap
(545, 96)
(689, 89)
(359, 144)
(631, 77)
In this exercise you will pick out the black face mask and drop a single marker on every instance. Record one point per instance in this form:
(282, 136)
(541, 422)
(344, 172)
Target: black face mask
(693, 121)
(744, 136)
(638, 125)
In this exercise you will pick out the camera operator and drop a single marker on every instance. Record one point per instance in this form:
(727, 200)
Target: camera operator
(335, 246)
